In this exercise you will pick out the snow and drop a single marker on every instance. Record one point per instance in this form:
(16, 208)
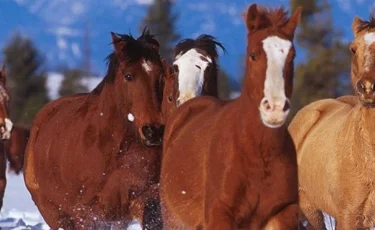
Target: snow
(54, 80)
(19, 211)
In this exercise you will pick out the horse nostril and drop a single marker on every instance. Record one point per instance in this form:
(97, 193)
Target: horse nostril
(360, 87)
(286, 106)
(148, 132)
(267, 105)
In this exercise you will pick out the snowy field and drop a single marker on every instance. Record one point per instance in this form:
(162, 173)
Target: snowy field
(20, 213)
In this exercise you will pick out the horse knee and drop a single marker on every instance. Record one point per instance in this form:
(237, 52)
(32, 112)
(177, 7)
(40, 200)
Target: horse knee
(285, 219)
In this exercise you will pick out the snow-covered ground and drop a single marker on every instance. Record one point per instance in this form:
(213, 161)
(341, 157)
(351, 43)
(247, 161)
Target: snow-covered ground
(20, 213)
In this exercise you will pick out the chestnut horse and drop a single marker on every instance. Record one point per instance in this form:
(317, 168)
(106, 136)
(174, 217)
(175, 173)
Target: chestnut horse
(196, 66)
(229, 165)
(89, 155)
(15, 147)
(334, 139)
(6, 126)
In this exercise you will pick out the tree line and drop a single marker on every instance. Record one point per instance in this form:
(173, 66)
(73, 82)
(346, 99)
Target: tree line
(324, 71)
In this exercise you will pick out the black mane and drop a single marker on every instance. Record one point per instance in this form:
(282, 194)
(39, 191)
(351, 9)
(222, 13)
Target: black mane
(134, 50)
(205, 42)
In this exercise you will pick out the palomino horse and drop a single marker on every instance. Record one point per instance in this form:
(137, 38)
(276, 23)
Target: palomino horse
(229, 165)
(196, 67)
(5, 131)
(90, 154)
(334, 139)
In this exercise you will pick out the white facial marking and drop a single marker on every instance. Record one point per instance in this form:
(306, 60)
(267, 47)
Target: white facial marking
(190, 77)
(8, 129)
(146, 66)
(276, 50)
(369, 39)
(130, 117)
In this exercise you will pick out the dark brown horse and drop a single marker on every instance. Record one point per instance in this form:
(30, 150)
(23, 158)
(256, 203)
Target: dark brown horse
(230, 165)
(15, 147)
(196, 66)
(5, 131)
(90, 155)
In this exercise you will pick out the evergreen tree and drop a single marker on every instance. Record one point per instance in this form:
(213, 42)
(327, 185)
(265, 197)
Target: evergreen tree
(161, 21)
(223, 85)
(26, 79)
(71, 84)
(324, 73)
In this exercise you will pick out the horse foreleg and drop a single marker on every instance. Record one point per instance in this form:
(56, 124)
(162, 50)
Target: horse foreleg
(219, 218)
(3, 180)
(286, 219)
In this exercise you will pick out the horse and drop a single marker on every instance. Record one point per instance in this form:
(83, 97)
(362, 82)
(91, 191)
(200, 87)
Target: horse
(89, 155)
(15, 147)
(6, 127)
(232, 164)
(334, 142)
(196, 67)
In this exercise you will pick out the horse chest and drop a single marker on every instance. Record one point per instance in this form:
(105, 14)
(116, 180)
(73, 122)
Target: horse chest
(270, 187)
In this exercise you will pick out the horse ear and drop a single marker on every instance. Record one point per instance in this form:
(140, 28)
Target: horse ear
(357, 22)
(254, 18)
(118, 44)
(293, 21)
(3, 74)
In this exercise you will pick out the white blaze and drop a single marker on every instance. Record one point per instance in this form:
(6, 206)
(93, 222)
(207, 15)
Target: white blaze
(8, 129)
(191, 74)
(146, 66)
(369, 40)
(130, 117)
(276, 50)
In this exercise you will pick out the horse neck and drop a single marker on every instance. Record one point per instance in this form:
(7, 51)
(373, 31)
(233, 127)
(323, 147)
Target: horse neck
(364, 120)
(250, 124)
(110, 114)
(211, 87)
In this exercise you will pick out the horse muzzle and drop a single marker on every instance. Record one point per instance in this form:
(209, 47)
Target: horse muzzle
(152, 135)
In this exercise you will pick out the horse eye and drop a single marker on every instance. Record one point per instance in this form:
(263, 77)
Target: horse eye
(252, 56)
(170, 99)
(198, 66)
(128, 77)
(175, 68)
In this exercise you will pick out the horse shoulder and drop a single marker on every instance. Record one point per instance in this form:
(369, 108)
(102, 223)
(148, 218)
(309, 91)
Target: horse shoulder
(308, 117)
(187, 110)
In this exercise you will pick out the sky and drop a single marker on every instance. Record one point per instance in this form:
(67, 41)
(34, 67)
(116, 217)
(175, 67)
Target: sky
(57, 26)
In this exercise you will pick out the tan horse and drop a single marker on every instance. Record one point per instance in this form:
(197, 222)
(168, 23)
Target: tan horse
(336, 146)
(232, 164)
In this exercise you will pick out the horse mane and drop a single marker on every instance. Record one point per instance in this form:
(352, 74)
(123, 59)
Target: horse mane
(277, 17)
(134, 50)
(370, 24)
(205, 42)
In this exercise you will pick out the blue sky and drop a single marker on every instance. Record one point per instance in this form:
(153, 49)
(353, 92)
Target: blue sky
(56, 26)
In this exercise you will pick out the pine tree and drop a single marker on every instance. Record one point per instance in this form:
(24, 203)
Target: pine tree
(26, 79)
(223, 85)
(324, 73)
(71, 84)
(161, 21)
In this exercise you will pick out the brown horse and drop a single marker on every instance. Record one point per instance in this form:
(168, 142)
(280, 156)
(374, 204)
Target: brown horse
(15, 147)
(5, 131)
(334, 139)
(196, 66)
(230, 165)
(90, 154)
